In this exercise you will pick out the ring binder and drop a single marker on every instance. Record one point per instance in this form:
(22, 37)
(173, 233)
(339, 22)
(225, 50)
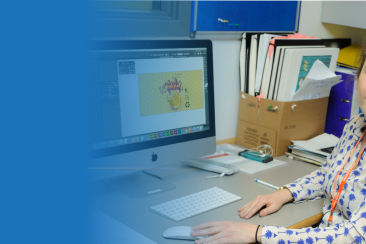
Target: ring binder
(342, 103)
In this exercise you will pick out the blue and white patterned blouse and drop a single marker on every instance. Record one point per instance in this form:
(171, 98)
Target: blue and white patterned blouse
(349, 218)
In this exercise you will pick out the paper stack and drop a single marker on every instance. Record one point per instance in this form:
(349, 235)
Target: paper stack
(315, 150)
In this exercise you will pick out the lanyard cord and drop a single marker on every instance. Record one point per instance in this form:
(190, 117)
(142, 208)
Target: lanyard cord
(345, 178)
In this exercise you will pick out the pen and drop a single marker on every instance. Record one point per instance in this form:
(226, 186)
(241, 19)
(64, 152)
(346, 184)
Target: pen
(267, 184)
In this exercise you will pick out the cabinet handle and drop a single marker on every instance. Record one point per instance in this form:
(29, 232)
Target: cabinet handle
(345, 100)
(344, 119)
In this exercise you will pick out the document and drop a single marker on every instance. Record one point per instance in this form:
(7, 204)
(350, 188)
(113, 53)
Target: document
(251, 167)
(318, 83)
(225, 158)
(320, 142)
(226, 153)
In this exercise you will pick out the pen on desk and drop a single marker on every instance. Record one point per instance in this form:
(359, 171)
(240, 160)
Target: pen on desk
(267, 184)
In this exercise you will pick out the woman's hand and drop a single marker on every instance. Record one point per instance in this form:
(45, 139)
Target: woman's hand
(273, 202)
(223, 232)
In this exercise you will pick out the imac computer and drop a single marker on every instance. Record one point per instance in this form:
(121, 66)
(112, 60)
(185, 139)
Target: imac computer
(152, 105)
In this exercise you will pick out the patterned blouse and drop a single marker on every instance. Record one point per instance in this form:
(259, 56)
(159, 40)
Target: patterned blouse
(349, 217)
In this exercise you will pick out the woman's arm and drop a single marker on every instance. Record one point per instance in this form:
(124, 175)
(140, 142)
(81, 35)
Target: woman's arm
(226, 232)
(351, 231)
(304, 188)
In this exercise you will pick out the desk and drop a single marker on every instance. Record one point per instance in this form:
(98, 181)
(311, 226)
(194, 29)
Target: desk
(152, 225)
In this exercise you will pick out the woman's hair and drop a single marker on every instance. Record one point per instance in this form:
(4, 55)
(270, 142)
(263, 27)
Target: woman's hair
(361, 60)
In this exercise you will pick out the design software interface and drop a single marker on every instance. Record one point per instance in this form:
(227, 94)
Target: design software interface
(149, 94)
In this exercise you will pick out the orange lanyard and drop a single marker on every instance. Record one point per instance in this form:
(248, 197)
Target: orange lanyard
(344, 180)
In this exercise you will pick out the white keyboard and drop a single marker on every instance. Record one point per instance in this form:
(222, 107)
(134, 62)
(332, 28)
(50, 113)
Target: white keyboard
(194, 204)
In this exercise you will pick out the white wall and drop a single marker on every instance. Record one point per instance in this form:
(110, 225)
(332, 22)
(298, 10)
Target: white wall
(227, 87)
(226, 64)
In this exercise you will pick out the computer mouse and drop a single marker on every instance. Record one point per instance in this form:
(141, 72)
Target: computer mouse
(181, 233)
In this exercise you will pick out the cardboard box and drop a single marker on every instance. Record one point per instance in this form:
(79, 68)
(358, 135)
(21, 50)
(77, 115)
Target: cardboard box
(265, 124)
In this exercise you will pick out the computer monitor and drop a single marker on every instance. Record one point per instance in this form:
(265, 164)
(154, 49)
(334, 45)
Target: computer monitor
(152, 103)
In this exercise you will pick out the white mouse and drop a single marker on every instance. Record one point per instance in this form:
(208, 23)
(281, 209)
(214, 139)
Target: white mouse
(181, 233)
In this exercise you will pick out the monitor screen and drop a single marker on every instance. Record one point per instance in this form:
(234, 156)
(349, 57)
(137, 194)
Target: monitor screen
(148, 94)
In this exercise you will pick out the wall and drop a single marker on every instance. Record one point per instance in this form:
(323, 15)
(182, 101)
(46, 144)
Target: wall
(227, 87)
(226, 64)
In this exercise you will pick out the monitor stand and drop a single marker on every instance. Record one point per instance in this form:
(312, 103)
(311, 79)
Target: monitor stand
(139, 184)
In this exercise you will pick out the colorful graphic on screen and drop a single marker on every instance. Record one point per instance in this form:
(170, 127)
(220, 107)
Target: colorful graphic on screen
(306, 64)
(169, 92)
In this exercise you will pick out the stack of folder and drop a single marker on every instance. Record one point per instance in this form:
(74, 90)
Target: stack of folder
(274, 67)
(315, 150)
(302, 154)
(348, 56)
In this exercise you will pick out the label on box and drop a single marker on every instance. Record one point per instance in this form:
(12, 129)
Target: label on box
(251, 135)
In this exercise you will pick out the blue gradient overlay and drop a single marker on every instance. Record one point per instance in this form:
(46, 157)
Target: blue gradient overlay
(43, 121)
(48, 194)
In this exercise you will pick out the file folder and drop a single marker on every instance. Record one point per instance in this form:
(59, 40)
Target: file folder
(342, 104)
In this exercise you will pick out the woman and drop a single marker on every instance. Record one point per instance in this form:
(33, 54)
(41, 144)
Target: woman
(345, 224)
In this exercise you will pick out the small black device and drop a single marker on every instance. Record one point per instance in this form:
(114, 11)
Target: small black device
(327, 150)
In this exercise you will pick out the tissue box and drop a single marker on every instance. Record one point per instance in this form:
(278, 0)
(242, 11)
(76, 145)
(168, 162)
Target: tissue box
(279, 122)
